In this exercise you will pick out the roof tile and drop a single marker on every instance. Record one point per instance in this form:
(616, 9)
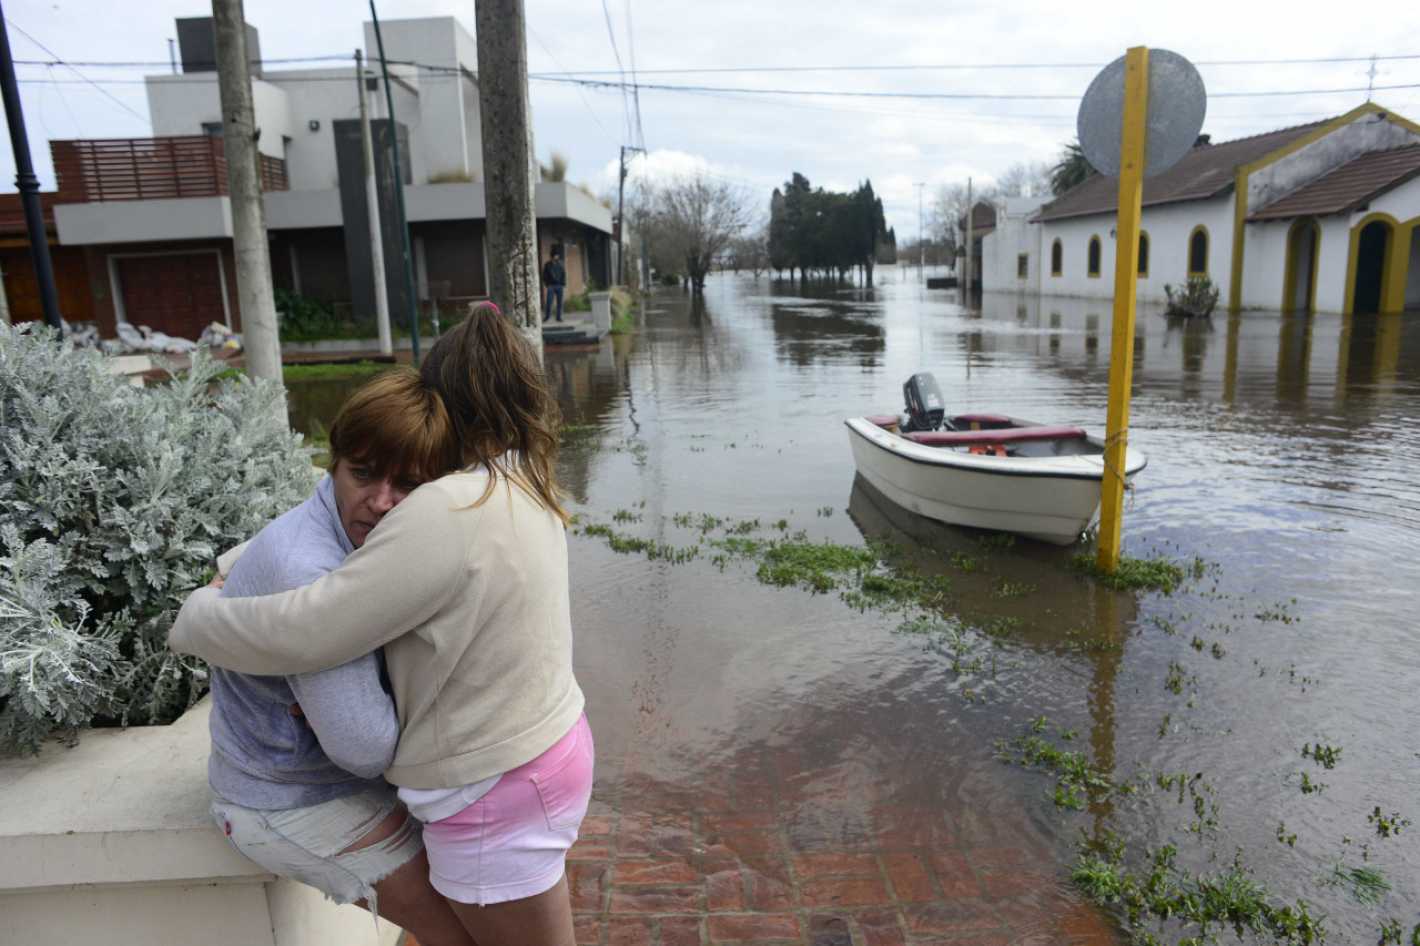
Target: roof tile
(1348, 187)
(1207, 170)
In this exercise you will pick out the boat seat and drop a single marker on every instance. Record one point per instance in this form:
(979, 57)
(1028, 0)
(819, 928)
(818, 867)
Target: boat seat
(970, 421)
(882, 420)
(969, 438)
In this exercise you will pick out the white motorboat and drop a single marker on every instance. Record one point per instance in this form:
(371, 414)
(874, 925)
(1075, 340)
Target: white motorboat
(987, 471)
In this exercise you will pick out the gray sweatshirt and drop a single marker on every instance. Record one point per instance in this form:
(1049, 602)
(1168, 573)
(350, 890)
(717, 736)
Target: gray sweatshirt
(263, 756)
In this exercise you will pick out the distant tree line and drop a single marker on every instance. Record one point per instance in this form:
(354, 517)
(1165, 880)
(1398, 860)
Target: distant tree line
(827, 232)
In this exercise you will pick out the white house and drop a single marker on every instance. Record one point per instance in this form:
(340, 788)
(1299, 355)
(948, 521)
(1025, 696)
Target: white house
(1319, 217)
(143, 226)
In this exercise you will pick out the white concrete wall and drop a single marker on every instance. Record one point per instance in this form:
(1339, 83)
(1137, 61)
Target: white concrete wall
(1332, 260)
(142, 221)
(180, 104)
(299, 210)
(1001, 249)
(111, 842)
(322, 96)
(1367, 133)
(446, 139)
(1168, 226)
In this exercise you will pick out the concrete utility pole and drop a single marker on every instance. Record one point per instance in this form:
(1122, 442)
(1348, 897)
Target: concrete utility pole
(970, 273)
(28, 185)
(255, 295)
(621, 212)
(372, 205)
(507, 163)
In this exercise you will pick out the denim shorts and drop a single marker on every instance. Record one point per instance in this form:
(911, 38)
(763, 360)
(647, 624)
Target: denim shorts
(305, 843)
(512, 842)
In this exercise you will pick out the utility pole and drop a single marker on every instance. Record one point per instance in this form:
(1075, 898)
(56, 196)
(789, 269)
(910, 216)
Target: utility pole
(372, 211)
(507, 162)
(970, 220)
(399, 194)
(921, 245)
(255, 295)
(621, 213)
(28, 184)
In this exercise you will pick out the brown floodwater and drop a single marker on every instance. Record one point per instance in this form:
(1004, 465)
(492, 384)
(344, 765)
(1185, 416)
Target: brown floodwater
(1283, 451)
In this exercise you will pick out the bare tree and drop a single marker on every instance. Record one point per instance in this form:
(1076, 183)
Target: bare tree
(1024, 179)
(751, 251)
(696, 217)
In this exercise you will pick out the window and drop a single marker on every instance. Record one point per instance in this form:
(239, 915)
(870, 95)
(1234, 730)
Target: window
(1022, 265)
(1094, 258)
(1198, 251)
(1057, 256)
(1143, 255)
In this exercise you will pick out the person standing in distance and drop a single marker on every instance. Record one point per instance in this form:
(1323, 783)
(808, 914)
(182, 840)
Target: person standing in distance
(554, 278)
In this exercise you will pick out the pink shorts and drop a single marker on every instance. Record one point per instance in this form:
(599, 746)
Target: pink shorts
(512, 843)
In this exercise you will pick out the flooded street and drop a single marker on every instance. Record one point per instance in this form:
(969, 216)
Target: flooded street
(775, 764)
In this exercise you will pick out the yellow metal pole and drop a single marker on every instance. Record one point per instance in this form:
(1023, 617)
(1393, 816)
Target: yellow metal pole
(1126, 266)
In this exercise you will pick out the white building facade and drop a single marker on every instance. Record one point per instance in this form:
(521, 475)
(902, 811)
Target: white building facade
(1325, 222)
(150, 221)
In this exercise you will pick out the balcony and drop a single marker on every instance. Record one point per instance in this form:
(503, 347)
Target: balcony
(109, 169)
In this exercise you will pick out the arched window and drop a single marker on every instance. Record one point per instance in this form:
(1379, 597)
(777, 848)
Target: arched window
(1057, 258)
(1198, 251)
(1143, 254)
(1094, 258)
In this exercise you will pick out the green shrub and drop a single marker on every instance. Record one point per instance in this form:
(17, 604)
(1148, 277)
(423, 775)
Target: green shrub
(114, 501)
(1198, 298)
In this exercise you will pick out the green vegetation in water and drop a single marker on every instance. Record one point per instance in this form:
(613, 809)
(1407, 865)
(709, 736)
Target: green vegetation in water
(813, 566)
(1005, 588)
(1367, 885)
(1387, 825)
(577, 435)
(1202, 904)
(652, 549)
(625, 515)
(997, 541)
(1323, 755)
(1141, 574)
(1076, 780)
(328, 371)
(1311, 788)
(1284, 836)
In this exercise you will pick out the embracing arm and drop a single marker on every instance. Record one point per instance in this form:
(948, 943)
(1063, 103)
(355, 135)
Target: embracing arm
(351, 714)
(409, 567)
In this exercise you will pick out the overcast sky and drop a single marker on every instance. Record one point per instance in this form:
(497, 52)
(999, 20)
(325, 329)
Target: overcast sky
(758, 140)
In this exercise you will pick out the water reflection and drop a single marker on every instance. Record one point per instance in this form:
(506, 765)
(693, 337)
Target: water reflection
(1283, 449)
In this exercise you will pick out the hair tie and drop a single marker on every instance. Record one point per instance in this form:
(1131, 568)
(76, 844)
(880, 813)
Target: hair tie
(487, 303)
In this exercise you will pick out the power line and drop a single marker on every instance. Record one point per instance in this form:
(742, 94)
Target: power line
(949, 96)
(635, 90)
(897, 67)
(59, 62)
(732, 90)
(621, 71)
(580, 94)
(993, 66)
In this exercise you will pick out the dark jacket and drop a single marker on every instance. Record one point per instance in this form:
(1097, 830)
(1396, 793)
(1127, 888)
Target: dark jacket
(553, 273)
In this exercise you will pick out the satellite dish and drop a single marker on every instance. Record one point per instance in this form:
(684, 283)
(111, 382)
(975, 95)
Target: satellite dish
(1177, 104)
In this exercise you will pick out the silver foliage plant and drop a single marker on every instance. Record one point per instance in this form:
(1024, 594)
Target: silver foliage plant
(114, 501)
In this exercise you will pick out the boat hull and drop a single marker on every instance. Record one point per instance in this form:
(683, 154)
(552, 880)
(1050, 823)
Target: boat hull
(1049, 498)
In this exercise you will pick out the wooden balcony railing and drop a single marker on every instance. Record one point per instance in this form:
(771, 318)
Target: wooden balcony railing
(149, 169)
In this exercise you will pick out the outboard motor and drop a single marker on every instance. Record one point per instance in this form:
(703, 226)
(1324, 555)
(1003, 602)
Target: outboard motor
(925, 407)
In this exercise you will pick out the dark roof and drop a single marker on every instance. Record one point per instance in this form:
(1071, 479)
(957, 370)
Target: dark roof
(1208, 170)
(983, 217)
(1349, 187)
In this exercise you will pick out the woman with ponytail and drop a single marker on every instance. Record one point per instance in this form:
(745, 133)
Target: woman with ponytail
(465, 586)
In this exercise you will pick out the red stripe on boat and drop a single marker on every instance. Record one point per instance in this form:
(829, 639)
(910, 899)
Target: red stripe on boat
(966, 438)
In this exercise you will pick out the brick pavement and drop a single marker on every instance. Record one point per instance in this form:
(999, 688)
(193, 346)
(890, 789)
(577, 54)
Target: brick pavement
(698, 878)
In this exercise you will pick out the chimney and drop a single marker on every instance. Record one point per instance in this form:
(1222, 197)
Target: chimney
(197, 44)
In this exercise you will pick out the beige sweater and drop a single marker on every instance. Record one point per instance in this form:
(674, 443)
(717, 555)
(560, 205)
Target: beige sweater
(471, 605)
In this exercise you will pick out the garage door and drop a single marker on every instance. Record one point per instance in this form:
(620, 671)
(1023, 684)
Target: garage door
(178, 294)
